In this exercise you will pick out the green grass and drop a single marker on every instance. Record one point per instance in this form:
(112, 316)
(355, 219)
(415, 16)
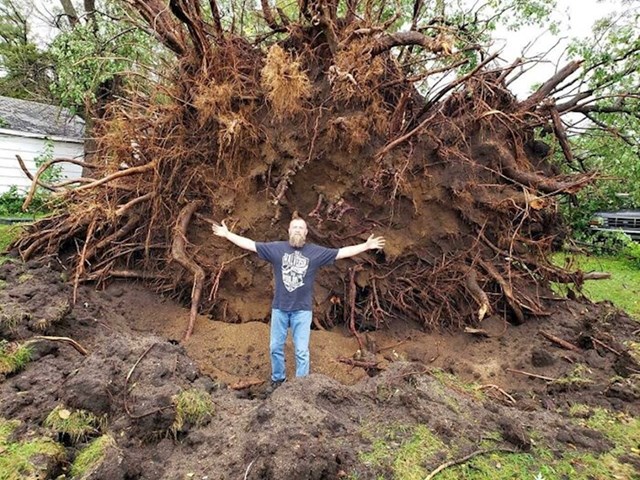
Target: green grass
(78, 425)
(402, 452)
(17, 460)
(622, 289)
(193, 406)
(13, 357)
(92, 455)
(8, 233)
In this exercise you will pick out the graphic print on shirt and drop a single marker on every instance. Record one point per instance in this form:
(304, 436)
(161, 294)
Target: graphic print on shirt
(294, 268)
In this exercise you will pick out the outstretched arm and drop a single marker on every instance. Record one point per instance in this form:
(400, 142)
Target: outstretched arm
(243, 242)
(372, 243)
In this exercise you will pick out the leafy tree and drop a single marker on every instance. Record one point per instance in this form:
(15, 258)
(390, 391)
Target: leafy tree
(96, 51)
(26, 70)
(606, 134)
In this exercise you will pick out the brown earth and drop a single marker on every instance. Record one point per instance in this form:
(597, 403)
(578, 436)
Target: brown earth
(310, 428)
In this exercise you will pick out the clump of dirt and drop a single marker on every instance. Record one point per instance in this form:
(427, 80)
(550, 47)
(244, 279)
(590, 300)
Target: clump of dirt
(311, 428)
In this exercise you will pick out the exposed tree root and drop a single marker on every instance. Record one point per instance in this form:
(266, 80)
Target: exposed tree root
(179, 254)
(327, 121)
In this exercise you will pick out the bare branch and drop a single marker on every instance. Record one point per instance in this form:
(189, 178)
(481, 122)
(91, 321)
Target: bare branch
(547, 88)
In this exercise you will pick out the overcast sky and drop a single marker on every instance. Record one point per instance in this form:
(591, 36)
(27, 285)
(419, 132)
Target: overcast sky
(575, 19)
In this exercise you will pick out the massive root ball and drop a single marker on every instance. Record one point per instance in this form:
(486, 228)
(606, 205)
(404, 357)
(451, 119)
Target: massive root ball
(327, 124)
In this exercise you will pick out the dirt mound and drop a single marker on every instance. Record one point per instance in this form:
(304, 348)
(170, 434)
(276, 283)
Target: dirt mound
(312, 428)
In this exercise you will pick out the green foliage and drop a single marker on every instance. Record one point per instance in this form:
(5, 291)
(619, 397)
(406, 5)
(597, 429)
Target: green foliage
(26, 69)
(96, 52)
(194, 406)
(612, 70)
(610, 243)
(53, 173)
(12, 200)
(632, 252)
(517, 13)
(13, 357)
(17, 460)
(8, 233)
(78, 424)
(92, 455)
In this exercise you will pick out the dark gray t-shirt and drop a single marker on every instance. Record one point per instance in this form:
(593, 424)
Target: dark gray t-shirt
(294, 270)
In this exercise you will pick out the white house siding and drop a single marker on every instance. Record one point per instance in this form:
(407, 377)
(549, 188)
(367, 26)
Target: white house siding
(30, 146)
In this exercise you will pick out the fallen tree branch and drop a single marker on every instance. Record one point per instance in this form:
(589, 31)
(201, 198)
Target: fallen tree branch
(67, 340)
(496, 387)
(559, 341)
(533, 375)
(397, 39)
(466, 458)
(604, 345)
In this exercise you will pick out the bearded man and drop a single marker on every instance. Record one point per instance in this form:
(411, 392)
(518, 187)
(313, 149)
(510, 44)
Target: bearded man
(295, 264)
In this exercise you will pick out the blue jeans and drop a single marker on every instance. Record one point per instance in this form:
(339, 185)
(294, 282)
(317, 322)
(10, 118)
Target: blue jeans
(300, 323)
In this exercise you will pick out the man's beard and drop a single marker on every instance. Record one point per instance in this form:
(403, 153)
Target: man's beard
(296, 240)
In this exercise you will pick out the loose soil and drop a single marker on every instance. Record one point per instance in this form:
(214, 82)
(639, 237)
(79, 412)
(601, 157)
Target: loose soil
(311, 428)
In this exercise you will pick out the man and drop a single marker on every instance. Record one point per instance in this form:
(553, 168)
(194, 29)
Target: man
(294, 266)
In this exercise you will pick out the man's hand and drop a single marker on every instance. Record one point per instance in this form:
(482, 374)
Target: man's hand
(220, 230)
(372, 243)
(375, 243)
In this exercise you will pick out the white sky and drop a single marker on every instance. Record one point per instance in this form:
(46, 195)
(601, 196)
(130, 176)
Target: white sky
(575, 19)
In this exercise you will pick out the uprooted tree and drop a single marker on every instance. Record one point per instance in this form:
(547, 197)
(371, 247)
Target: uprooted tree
(335, 116)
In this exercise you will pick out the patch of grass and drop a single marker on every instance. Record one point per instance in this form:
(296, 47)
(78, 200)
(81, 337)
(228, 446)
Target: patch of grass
(18, 459)
(25, 277)
(13, 357)
(543, 463)
(402, 450)
(455, 383)
(11, 316)
(8, 233)
(618, 427)
(576, 379)
(92, 455)
(78, 425)
(622, 289)
(194, 406)
(579, 410)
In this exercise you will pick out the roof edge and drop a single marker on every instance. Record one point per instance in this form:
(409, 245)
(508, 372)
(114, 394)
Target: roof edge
(18, 133)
